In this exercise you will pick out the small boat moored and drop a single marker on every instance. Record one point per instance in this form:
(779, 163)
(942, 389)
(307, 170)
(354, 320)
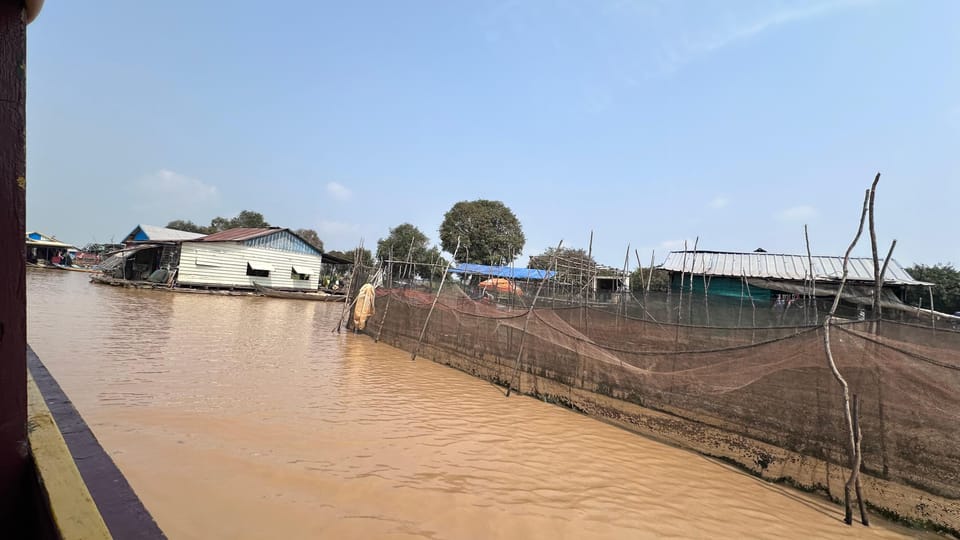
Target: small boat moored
(297, 295)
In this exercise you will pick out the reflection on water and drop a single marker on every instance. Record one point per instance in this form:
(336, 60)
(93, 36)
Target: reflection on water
(245, 417)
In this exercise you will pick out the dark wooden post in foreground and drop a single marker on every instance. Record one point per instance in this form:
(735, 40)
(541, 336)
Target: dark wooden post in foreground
(13, 299)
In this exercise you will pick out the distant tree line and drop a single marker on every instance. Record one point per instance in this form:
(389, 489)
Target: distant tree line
(946, 288)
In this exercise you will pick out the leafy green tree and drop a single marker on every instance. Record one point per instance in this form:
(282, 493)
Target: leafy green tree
(660, 281)
(186, 225)
(573, 266)
(366, 258)
(489, 232)
(248, 218)
(946, 289)
(407, 240)
(218, 224)
(311, 237)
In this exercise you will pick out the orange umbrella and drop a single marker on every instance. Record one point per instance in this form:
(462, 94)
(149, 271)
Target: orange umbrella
(501, 285)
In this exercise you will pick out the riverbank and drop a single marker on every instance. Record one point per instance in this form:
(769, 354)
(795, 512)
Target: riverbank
(776, 404)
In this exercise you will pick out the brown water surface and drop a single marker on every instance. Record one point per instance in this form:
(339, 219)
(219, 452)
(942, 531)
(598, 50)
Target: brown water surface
(245, 417)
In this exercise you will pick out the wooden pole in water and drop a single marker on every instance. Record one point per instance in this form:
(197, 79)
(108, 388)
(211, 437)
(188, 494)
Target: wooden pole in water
(353, 275)
(443, 278)
(526, 322)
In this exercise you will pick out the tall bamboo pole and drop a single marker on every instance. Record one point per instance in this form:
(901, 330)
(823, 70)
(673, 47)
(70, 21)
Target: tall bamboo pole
(813, 276)
(693, 268)
(526, 321)
(443, 278)
(855, 457)
(877, 284)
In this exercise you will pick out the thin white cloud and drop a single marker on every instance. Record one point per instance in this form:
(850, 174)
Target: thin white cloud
(167, 184)
(339, 191)
(745, 27)
(719, 202)
(798, 213)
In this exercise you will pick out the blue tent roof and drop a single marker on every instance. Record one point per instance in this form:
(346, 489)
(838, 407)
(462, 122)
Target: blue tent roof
(501, 271)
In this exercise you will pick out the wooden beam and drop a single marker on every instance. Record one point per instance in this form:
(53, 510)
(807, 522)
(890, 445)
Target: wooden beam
(13, 307)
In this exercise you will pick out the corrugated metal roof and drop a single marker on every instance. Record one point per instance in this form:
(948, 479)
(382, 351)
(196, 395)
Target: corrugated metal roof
(778, 266)
(41, 240)
(239, 234)
(501, 271)
(152, 233)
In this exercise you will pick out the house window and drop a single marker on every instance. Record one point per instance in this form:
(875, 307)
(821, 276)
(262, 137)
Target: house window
(258, 269)
(299, 273)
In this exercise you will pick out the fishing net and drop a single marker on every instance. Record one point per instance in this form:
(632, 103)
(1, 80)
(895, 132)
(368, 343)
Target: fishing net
(768, 383)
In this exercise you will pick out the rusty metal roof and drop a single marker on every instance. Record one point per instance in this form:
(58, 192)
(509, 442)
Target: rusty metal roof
(239, 234)
(778, 266)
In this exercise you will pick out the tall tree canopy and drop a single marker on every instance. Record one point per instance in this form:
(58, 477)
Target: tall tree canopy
(574, 266)
(946, 291)
(187, 225)
(489, 232)
(659, 281)
(246, 218)
(311, 237)
(366, 258)
(406, 239)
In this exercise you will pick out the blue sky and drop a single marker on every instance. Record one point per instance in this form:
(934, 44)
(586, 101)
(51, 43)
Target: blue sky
(647, 122)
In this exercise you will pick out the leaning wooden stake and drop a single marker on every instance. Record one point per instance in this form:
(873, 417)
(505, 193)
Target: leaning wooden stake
(877, 284)
(855, 456)
(933, 316)
(858, 461)
(443, 278)
(526, 321)
(653, 261)
(623, 281)
(813, 277)
(642, 280)
(357, 255)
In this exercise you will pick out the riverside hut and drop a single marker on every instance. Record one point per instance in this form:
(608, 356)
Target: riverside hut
(242, 257)
(771, 278)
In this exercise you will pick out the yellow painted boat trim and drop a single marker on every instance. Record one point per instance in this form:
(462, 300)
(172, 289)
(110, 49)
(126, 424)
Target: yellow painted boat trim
(74, 513)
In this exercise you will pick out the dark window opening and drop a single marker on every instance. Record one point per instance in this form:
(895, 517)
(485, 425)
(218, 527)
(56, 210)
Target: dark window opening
(257, 273)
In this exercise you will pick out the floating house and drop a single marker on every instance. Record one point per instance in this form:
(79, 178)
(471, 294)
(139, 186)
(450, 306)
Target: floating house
(765, 277)
(238, 258)
(149, 248)
(40, 248)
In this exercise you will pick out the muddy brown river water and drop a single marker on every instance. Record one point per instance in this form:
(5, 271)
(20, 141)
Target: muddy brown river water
(245, 417)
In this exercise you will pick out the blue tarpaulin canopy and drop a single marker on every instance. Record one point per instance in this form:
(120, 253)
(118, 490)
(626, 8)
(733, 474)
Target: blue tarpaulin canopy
(501, 271)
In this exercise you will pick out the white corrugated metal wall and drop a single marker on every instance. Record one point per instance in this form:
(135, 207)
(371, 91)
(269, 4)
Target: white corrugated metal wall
(224, 264)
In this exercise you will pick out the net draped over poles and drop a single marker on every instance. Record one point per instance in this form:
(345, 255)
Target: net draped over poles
(767, 383)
